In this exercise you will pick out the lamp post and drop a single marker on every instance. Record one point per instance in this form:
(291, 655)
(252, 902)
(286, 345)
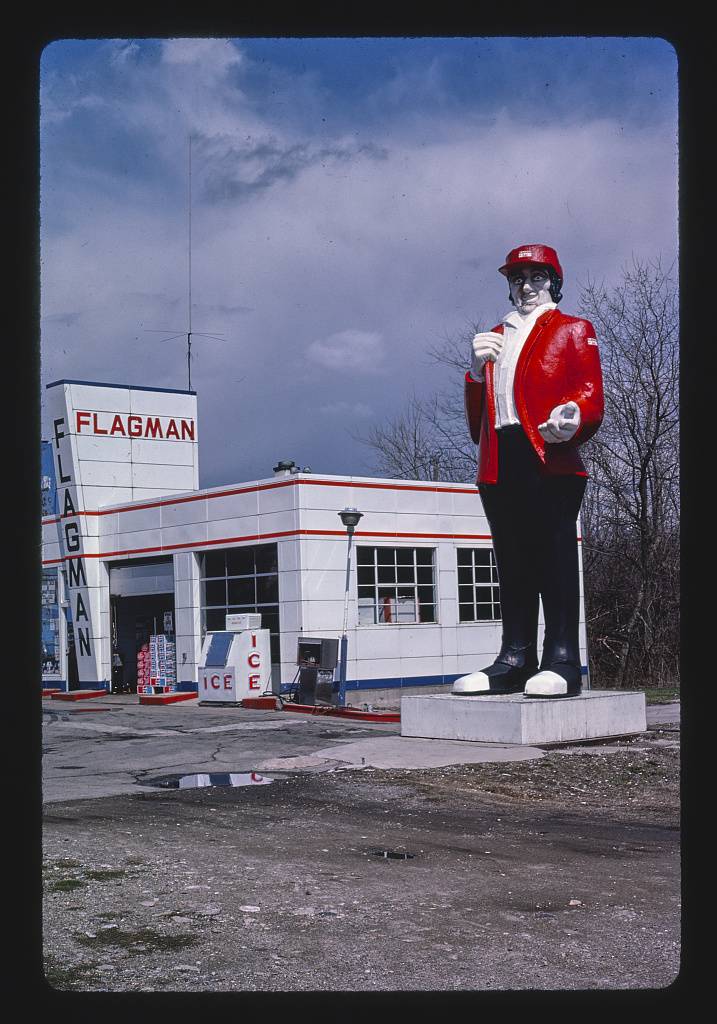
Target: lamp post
(349, 517)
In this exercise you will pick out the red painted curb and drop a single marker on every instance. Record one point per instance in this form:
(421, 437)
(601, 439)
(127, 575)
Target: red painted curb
(260, 703)
(166, 698)
(79, 695)
(49, 690)
(365, 716)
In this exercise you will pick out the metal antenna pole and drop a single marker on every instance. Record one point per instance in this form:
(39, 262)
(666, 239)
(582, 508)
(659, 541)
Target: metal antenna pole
(189, 270)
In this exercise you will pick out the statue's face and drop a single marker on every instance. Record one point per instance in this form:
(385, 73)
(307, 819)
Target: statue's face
(529, 287)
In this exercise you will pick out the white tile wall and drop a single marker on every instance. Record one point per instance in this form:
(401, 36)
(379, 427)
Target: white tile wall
(176, 453)
(151, 493)
(99, 496)
(419, 641)
(479, 639)
(277, 499)
(467, 505)
(194, 533)
(140, 540)
(183, 594)
(317, 553)
(184, 621)
(106, 474)
(290, 617)
(389, 668)
(232, 506)
(103, 449)
(91, 398)
(372, 523)
(377, 642)
(289, 586)
(170, 478)
(183, 512)
(418, 502)
(421, 666)
(233, 531)
(325, 584)
(321, 615)
(132, 520)
(330, 497)
(288, 554)
(278, 522)
(163, 403)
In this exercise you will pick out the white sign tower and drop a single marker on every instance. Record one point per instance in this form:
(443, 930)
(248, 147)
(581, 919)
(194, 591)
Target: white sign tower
(111, 444)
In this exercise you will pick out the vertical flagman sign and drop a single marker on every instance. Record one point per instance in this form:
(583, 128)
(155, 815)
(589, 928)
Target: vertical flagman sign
(111, 444)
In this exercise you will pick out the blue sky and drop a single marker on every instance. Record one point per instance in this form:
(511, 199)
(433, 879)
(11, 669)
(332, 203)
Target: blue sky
(351, 201)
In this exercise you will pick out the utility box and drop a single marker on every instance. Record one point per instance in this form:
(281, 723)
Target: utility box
(234, 665)
(317, 658)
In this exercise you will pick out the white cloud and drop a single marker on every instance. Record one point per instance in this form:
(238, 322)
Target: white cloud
(349, 351)
(218, 54)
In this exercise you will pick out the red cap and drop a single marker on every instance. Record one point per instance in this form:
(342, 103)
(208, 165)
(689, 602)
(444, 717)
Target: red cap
(542, 254)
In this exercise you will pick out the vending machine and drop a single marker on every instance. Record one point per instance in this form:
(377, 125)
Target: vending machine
(235, 662)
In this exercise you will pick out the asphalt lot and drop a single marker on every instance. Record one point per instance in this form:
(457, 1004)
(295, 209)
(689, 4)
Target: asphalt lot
(367, 862)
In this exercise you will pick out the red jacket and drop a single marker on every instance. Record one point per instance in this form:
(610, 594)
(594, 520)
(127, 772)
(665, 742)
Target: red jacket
(558, 363)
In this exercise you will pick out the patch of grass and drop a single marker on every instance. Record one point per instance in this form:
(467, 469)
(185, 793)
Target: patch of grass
(66, 885)
(147, 938)
(662, 695)
(104, 875)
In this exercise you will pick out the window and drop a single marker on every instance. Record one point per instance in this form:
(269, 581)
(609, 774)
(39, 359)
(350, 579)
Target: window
(478, 592)
(395, 585)
(51, 659)
(242, 579)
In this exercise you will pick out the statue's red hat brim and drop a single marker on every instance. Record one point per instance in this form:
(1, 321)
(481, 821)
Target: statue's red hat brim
(540, 254)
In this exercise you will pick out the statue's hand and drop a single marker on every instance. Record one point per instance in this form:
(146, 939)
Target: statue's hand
(562, 423)
(485, 348)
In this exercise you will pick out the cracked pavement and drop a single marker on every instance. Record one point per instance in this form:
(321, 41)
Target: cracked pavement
(493, 869)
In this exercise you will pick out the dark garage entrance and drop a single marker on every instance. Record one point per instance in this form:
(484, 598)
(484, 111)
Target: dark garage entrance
(141, 605)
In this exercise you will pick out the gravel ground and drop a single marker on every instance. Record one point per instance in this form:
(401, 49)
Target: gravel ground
(557, 873)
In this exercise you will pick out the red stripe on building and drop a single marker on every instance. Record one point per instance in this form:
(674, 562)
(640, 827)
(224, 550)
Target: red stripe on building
(261, 537)
(264, 487)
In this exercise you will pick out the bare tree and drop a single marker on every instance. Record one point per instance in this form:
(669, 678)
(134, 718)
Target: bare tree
(631, 508)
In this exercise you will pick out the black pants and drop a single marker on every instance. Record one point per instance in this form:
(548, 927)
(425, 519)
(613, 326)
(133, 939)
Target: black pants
(532, 518)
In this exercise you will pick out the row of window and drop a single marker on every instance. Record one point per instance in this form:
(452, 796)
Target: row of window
(394, 585)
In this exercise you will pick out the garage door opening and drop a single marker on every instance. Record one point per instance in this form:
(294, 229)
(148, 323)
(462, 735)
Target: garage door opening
(141, 608)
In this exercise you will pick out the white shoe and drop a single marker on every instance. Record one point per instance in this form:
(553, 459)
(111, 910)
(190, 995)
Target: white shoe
(546, 684)
(474, 682)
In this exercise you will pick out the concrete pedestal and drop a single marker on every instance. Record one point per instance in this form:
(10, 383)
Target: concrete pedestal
(514, 718)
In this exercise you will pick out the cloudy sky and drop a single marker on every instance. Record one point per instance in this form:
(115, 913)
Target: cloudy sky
(351, 201)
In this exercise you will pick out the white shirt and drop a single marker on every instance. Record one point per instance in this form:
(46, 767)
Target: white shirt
(516, 329)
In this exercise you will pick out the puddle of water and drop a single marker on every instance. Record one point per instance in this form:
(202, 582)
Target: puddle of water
(392, 854)
(205, 779)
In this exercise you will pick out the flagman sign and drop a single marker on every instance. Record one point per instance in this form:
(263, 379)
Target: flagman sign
(111, 444)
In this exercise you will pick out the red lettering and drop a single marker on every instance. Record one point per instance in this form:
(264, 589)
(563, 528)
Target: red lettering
(257, 663)
(227, 682)
(172, 430)
(215, 685)
(153, 427)
(134, 426)
(188, 429)
(117, 427)
(95, 426)
(83, 420)
(253, 639)
(254, 682)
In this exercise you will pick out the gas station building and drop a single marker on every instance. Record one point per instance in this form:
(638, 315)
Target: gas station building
(132, 548)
